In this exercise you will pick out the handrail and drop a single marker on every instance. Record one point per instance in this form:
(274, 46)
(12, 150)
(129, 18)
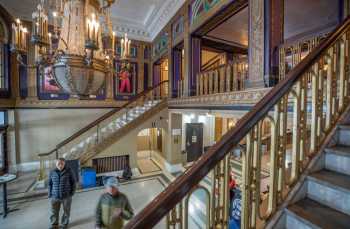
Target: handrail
(212, 61)
(179, 188)
(100, 119)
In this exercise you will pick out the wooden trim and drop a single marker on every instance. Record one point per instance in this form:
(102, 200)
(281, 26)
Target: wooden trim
(178, 189)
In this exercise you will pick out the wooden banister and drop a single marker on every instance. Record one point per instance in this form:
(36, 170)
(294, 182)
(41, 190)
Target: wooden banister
(157, 209)
(101, 119)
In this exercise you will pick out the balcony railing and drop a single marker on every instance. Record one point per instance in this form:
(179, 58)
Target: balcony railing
(290, 54)
(312, 118)
(224, 78)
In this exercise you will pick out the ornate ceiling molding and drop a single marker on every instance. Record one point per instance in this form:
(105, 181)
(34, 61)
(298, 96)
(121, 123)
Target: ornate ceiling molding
(154, 23)
(155, 16)
(169, 9)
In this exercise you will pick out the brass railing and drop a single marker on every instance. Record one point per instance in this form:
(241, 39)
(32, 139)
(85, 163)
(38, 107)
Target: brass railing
(310, 108)
(225, 78)
(214, 62)
(290, 54)
(97, 131)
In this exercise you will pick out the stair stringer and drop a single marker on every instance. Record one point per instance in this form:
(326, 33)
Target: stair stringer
(298, 192)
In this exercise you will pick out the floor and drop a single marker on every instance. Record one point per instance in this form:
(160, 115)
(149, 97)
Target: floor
(20, 185)
(34, 214)
(145, 162)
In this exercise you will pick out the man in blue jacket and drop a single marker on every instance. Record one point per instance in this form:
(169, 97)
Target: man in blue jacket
(61, 190)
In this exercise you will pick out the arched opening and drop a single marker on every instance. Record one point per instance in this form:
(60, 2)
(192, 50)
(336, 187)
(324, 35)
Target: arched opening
(198, 209)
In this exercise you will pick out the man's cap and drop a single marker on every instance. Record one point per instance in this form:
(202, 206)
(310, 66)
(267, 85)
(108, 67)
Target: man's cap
(112, 182)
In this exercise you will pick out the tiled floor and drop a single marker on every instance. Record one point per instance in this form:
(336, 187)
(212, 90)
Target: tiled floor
(145, 162)
(34, 214)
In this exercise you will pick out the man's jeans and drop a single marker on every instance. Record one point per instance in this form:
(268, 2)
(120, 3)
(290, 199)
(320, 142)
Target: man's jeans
(55, 210)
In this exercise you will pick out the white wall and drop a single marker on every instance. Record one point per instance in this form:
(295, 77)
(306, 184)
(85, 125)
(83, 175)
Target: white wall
(208, 128)
(40, 130)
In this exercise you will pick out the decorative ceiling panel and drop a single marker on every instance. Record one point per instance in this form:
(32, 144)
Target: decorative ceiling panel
(141, 19)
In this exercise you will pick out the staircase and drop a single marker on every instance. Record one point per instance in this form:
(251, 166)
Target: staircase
(108, 129)
(305, 110)
(113, 128)
(324, 201)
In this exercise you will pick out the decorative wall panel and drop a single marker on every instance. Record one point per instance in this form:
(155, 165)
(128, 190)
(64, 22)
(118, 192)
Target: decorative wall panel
(178, 27)
(200, 7)
(125, 82)
(160, 45)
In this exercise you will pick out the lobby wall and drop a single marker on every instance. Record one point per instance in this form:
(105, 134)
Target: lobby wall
(34, 131)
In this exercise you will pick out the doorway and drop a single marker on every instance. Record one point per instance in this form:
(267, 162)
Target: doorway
(194, 141)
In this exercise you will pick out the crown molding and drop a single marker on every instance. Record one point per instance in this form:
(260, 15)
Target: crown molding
(153, 24)
(168, 10)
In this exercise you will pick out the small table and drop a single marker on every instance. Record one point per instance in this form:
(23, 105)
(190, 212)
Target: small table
(3, 181)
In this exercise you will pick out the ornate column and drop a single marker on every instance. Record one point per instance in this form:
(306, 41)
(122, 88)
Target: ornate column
(141, 70)
(170, 63)
(256, 44)
(195, 62)
(173, 156)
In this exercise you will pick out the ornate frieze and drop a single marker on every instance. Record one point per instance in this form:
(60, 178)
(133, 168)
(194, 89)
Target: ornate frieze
(73, 103)
(230, 98)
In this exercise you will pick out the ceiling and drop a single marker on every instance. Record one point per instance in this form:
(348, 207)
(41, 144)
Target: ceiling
(234, 30)
(301, 18)
(141, 19)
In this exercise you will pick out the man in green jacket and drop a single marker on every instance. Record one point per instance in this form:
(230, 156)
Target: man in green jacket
(113, 207)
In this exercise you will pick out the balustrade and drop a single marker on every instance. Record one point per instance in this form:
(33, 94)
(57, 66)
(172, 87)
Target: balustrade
(291, 54)
(225, 78)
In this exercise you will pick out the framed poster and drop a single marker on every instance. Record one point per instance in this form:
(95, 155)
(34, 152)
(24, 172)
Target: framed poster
(125, 81)
(48, 88)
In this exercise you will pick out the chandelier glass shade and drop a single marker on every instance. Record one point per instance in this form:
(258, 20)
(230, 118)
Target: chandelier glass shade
(80, 46)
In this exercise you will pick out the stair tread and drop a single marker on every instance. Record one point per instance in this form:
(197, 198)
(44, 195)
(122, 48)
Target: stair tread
(333, 178)
(344, 126)
(342, 149)
(320, 215)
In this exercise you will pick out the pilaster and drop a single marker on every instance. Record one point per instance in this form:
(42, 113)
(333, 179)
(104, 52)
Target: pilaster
(256, 44)
(187, 54)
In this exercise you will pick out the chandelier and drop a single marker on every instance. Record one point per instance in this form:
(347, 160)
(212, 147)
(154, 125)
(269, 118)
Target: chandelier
(80, 45)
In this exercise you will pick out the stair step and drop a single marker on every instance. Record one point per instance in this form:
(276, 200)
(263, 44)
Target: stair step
(308, 213)
(344, 126)
(344, 134)
(337, 159)
(330, 188)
